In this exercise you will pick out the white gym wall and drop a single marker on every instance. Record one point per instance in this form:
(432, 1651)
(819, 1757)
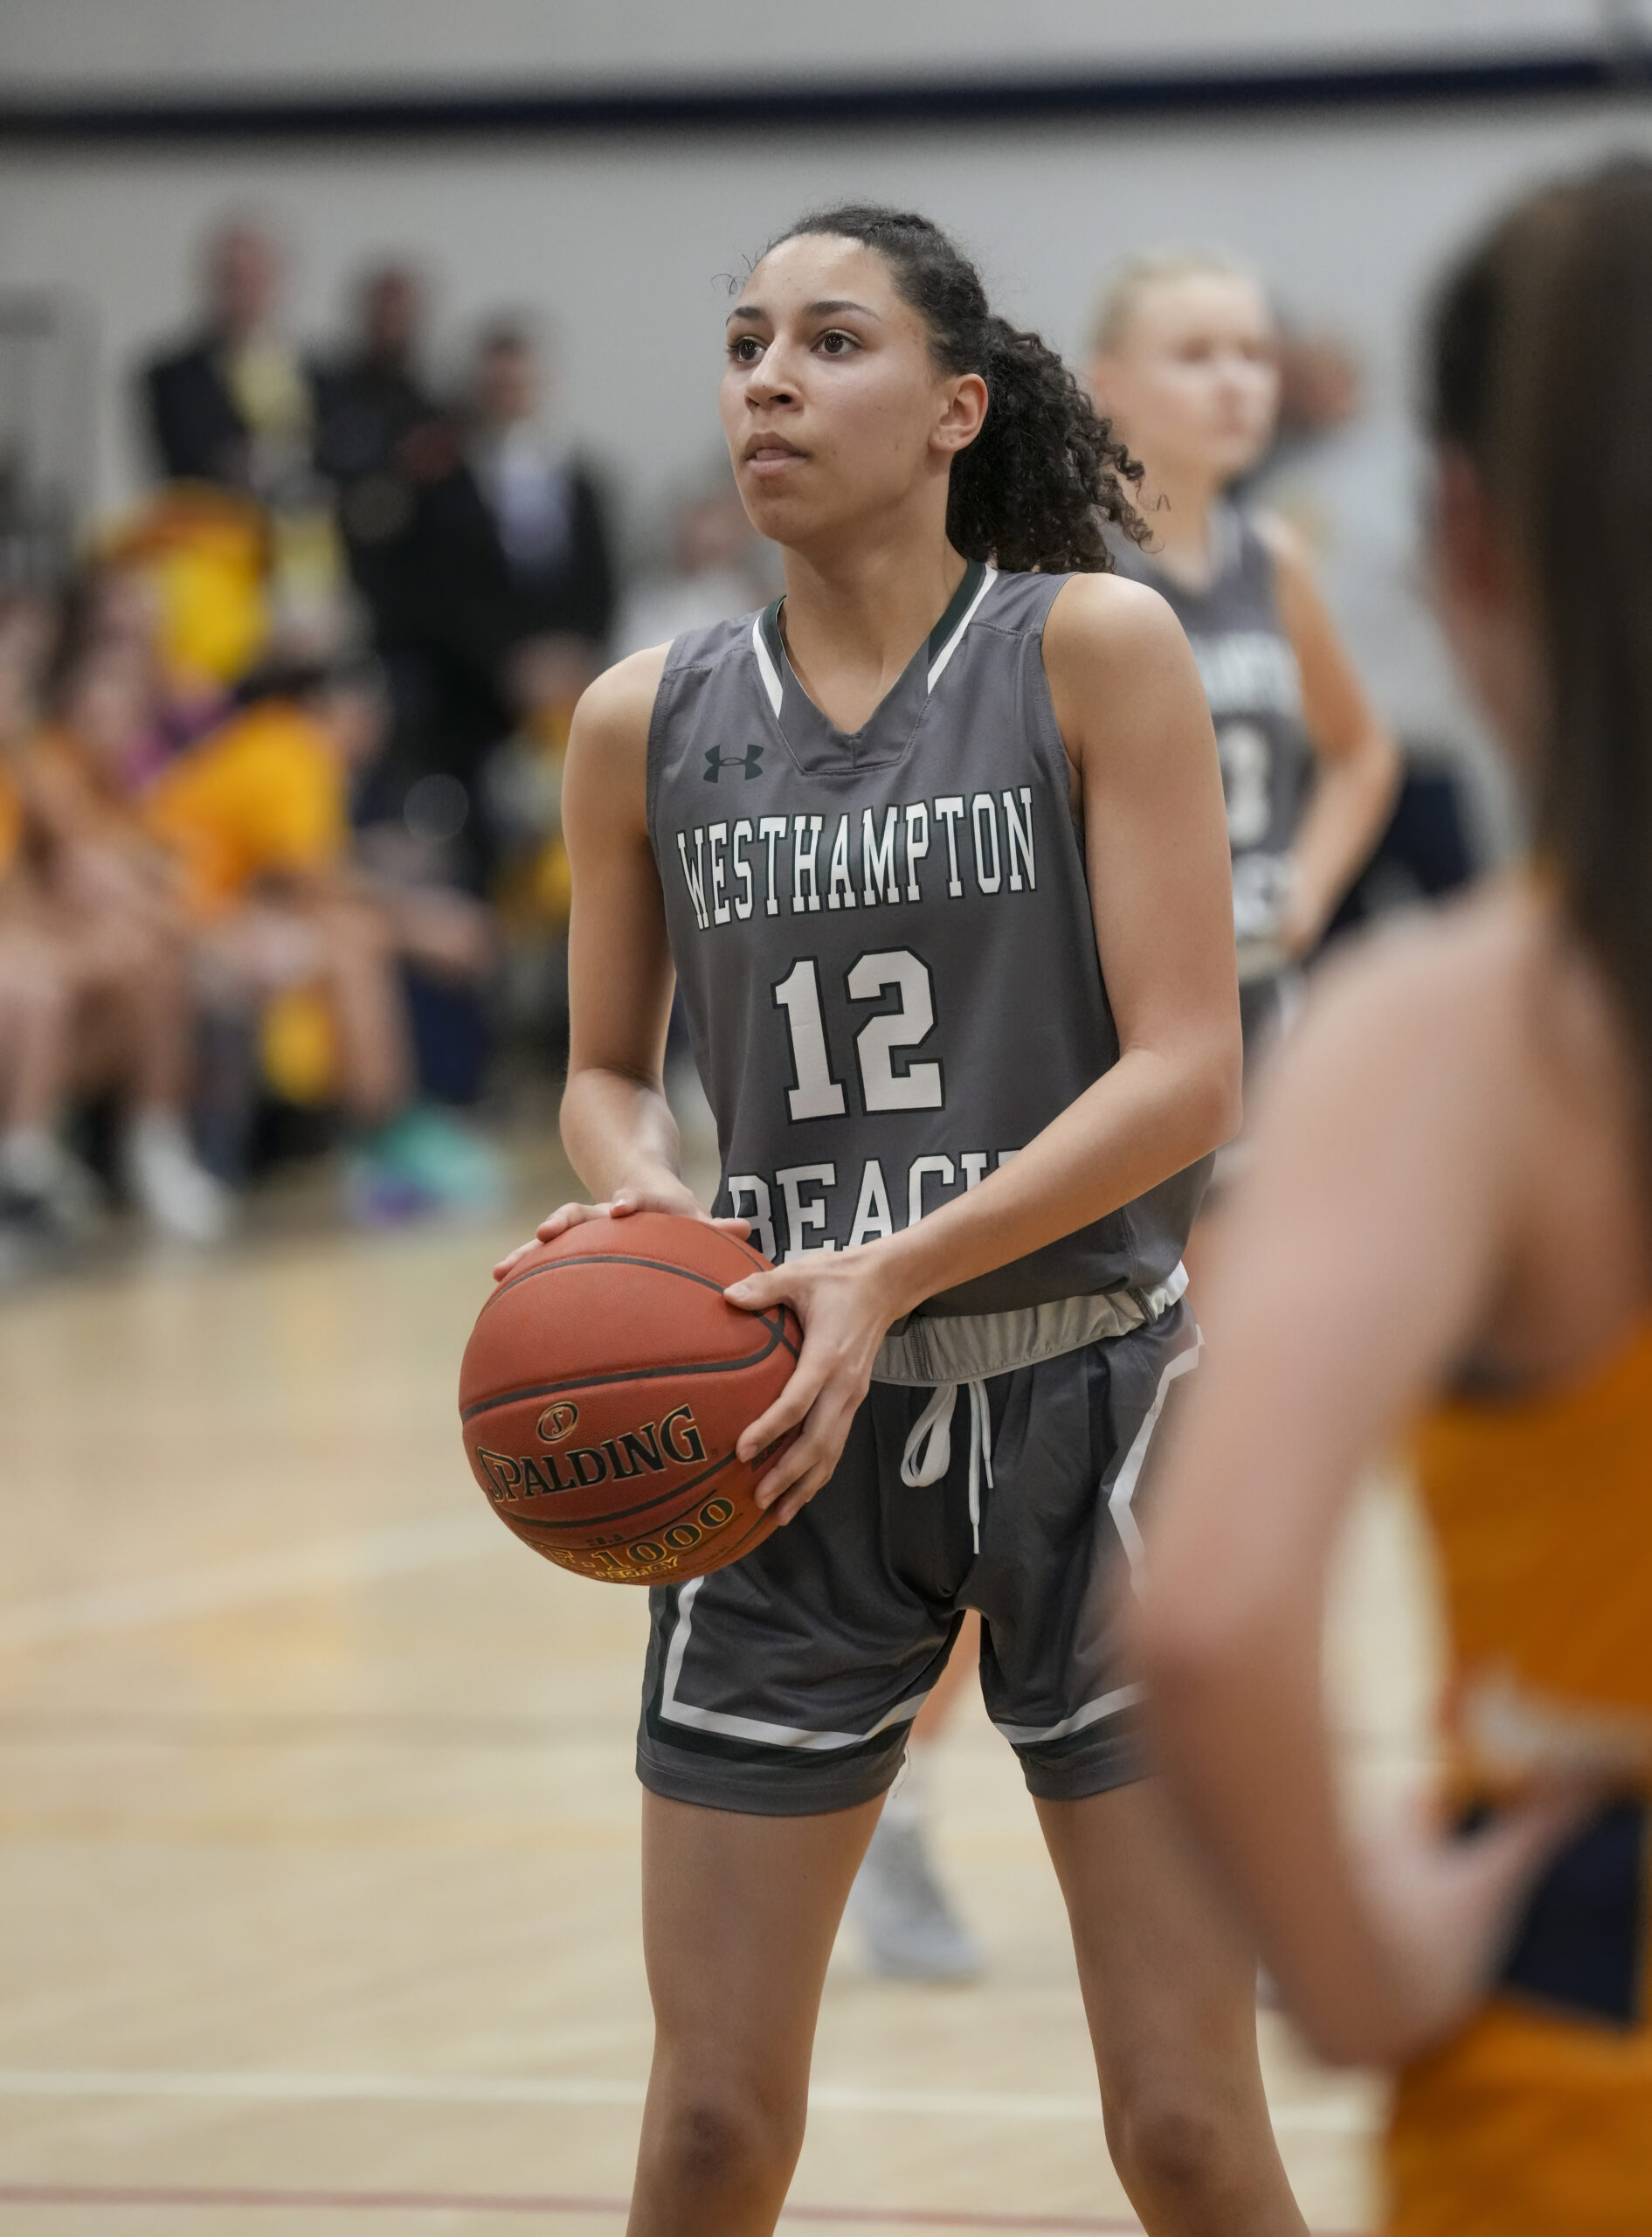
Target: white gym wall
(624, 243)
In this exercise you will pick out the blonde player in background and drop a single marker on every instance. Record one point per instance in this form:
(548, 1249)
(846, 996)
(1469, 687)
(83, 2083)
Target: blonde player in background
(1184, 365)
(1446, 1226)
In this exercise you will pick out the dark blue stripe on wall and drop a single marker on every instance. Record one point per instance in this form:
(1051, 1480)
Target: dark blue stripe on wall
(389, 115)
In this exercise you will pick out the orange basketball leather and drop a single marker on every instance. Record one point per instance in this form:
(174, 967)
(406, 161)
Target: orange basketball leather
(602, 1392)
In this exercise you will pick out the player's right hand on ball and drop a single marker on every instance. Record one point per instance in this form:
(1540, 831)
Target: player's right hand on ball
(658, 1197)
(846, 1302)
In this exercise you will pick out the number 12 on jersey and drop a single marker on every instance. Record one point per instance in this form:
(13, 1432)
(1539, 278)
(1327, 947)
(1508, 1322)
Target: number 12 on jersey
(817, 1095)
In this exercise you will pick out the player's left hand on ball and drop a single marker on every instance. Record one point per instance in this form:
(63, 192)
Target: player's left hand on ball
(843, 1301)
(668, 1195)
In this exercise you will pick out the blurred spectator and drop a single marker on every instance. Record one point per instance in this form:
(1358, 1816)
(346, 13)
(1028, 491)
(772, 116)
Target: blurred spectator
(1320, 390)
(717, 570)
(112, 618)
(295, 937)
(379, 432)
(192, 563)
(547, 512)
(39, 1185)
(238, 406)
(110, 1006)
(374, 397)
(423, 554)
(235, 405)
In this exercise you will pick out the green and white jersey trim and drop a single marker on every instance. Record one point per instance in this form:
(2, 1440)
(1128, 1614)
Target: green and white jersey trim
(945, 639)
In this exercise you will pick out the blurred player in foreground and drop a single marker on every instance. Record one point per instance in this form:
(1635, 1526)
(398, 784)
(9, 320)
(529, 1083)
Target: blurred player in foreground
(1447, 1226)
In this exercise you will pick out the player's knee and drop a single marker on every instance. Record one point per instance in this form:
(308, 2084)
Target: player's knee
(727, 2138)
(1171, 2138)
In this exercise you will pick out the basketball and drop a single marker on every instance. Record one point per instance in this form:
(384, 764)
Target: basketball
(604, 1387)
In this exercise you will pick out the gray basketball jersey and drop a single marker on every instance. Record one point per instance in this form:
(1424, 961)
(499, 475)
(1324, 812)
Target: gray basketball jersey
(884, 942)
(1249, 667)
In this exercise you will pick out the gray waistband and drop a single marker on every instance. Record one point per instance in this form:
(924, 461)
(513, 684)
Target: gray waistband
(967, 1347)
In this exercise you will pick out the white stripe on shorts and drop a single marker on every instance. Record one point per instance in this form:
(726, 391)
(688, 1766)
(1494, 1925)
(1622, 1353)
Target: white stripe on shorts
(751, 1728)
(1026, 1735)
(1118, 1507)
(1124, 1490)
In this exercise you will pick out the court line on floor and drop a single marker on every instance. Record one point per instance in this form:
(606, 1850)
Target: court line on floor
(1342, 2115)
(205, 1728)
(861, 2217)
(395, 1549)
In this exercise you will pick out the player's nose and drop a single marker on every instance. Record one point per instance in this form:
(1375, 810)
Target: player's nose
(772, 380)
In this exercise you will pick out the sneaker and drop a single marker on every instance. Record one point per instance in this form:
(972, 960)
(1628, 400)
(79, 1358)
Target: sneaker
(423, 1162)
(169, 1185)
(45, 1190)
(30, 1240)
(909, 1930)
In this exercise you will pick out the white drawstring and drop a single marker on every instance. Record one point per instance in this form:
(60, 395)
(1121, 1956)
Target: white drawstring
(929, 1446)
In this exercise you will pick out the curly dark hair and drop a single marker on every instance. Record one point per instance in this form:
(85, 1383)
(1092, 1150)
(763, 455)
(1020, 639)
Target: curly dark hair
(1035, 489)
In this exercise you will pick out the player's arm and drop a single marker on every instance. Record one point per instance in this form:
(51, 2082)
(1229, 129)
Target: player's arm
(1357, 764)
(617, 1126)
(1358, 1260)
(1137, 727)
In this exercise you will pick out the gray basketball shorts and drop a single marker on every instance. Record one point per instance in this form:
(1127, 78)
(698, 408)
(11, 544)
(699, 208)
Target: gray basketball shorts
(786, 1683)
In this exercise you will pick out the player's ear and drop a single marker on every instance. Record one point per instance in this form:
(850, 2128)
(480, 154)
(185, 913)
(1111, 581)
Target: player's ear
(964, 412)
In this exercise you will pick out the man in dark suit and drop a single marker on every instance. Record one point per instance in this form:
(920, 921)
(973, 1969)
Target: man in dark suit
(547, 511)
(236, 405)
(422, 551)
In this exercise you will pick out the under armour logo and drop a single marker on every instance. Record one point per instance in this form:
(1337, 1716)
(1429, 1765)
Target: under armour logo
(718, 761)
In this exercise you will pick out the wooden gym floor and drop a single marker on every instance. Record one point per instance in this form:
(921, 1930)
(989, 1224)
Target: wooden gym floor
(319, 1868)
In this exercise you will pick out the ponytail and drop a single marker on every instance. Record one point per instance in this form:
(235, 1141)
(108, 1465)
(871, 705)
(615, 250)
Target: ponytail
(1542, 369)
(1036, 489)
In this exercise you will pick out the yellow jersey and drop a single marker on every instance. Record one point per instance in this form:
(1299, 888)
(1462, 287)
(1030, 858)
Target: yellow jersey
(263, 795)
(1535, 2121)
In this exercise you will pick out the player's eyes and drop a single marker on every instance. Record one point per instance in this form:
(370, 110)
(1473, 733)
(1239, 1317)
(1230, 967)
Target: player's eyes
(836, 343)
(745, 350)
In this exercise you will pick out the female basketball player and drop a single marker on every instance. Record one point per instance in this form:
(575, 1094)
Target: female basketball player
(1447, 1223)
(1186, 368)
(936, 848)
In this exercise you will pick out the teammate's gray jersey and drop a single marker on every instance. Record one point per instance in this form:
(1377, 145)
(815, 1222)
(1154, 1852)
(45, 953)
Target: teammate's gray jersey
(1248, 668)
(884, 941)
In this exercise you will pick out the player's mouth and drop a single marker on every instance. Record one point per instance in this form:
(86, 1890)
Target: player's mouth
(768, 455)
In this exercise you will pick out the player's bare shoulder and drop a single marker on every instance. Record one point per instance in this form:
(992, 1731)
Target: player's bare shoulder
(1122, 673)
(618, 706)
(608, 742)
(1111, 621)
